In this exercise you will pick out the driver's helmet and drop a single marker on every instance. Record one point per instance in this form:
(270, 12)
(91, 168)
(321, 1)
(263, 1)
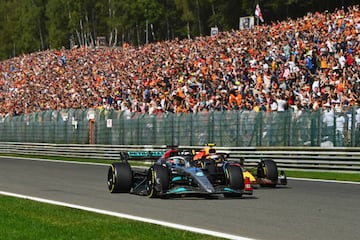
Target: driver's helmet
(215, 158)
(176, 162)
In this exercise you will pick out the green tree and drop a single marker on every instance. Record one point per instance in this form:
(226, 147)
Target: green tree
(169, 23)
(57, 24)
(28, 27)
(230, 11)
(21, 27)
(7, 20)
(186, 8)
(131, 18)
(85, 19)
(32, 25)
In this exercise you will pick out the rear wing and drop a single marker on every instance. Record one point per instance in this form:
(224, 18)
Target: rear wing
(155, 155)
(141, 155)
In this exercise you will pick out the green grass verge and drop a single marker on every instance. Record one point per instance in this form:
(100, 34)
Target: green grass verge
(353, 177)
(26, 219)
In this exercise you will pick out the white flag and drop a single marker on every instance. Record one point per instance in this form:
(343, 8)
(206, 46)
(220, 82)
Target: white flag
(258, 13)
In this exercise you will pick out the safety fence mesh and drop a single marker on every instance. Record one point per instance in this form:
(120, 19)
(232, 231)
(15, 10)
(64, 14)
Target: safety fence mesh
(228, 128)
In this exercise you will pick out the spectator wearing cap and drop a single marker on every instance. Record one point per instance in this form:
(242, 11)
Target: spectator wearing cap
(288, 58)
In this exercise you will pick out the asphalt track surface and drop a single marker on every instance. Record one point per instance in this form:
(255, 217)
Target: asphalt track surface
(302, 210)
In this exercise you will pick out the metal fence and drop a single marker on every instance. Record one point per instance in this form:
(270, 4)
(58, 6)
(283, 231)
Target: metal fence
(327, 159)
(228, 128)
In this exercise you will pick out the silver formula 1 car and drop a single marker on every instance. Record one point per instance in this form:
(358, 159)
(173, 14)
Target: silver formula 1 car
(173, 175)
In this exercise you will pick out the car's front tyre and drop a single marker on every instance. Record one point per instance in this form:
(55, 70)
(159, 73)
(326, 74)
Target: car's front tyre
(234, 180)
(158, 180)
(119, 178)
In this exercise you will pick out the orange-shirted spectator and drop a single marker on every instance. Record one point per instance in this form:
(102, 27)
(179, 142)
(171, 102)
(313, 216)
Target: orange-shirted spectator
(323, 63)
(192, 69)
(181, 93)
(340, 87)
(232, 98)
(238, 98)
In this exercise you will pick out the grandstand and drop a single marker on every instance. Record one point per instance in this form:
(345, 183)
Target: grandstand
(302, 64)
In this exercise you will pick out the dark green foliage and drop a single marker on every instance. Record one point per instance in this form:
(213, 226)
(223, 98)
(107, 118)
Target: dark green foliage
(34, 25)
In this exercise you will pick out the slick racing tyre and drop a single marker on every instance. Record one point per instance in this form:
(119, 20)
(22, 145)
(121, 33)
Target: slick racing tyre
(120, 178)
(267, 169)
(234, 180)
(158, 180)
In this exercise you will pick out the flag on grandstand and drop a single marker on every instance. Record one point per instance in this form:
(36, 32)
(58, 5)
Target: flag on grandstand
(258, 13)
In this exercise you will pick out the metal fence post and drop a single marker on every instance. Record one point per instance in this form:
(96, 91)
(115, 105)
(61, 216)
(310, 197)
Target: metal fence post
(353, 142)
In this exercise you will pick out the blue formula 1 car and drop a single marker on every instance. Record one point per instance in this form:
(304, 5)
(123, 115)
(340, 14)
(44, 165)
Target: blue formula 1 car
(173, 175)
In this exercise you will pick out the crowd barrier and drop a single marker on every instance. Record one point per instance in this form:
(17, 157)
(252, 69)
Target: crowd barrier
(295, 158)
(225, 128)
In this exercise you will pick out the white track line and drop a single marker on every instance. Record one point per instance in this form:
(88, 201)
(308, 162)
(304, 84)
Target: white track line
(131, 217)
(56, 161)
(321, 180)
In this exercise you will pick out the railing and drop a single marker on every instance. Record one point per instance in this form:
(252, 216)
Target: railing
(296, 158)
(306, 128)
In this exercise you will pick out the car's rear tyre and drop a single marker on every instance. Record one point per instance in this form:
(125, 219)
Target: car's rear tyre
(120, 178)
(267, 169)
(158, 180)
(234, 180)
(210, 168)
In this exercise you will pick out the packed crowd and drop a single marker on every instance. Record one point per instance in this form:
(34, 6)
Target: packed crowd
(309, 63)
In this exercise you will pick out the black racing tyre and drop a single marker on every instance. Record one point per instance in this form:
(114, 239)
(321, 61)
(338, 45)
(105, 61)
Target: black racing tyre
(210, 166)
(120, 178)
(234, 179)
(269, 169)
(158, 180)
